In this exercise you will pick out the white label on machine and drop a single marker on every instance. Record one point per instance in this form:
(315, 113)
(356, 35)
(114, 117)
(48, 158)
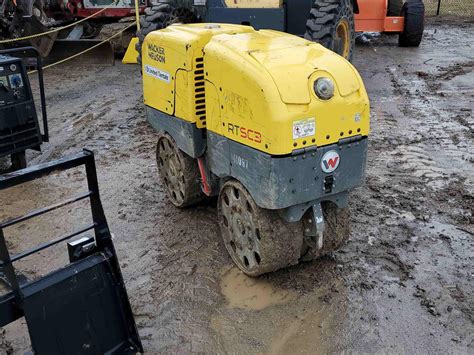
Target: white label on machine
(304, 128)
(157, 73)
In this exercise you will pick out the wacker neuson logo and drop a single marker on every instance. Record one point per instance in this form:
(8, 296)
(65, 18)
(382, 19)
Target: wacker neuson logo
(157, 73)
(330, 161)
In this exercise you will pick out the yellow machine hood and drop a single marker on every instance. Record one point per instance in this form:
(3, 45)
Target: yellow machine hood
(292, 61)
(253, 87)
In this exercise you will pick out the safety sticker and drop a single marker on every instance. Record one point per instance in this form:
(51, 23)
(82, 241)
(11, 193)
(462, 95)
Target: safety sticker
(157, 73)
(304, 128)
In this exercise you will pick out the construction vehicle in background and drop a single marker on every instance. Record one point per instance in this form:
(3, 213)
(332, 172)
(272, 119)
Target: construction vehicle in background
(26, 18)
(274, 125)
(333, 23)
(19, 124)
(83, 307)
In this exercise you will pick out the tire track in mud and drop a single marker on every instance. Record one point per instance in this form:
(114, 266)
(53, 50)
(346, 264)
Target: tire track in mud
(445, 74)
(5, 345)
(426, 111)
(420, 188)
(174, 301)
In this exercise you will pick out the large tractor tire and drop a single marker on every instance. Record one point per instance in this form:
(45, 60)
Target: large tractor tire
(414, 13)
(336, 231)
(257, 240)
(395, 7)
(178, 172)
(161, 15)
(331, 23)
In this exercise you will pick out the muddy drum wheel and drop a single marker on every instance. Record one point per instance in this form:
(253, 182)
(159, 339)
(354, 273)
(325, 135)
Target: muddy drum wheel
(178, 172)
(258, 240)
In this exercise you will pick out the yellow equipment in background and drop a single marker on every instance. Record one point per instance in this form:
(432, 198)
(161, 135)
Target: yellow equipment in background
(274, 124)
(131, 54)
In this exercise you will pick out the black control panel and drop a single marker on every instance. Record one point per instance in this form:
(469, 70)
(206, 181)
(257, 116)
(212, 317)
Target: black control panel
(16, 102)
(19, 125)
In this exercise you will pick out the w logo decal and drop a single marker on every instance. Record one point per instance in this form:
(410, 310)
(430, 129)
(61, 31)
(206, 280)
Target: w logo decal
(330, 161)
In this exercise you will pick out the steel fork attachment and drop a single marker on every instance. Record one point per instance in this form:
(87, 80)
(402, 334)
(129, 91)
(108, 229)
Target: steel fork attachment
(82, 307)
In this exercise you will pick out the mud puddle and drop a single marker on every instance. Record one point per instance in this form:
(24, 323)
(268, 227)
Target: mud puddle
(303, 335)
(249, 293)
(269, 317)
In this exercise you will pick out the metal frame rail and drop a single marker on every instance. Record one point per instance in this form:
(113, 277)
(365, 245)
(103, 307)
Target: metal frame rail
(11, 304)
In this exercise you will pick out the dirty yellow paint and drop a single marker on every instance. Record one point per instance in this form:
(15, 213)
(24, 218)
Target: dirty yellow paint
(253, 87)
(170, 64)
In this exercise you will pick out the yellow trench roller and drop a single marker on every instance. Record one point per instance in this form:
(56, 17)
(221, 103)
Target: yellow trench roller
(274, 124)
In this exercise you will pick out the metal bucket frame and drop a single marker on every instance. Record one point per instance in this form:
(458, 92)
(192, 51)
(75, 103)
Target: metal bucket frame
(91, 252)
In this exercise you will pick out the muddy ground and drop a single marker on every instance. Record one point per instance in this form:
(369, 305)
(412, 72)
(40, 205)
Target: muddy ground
(403, 284)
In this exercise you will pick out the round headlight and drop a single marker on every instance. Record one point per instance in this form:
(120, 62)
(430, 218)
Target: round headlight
(324, 88)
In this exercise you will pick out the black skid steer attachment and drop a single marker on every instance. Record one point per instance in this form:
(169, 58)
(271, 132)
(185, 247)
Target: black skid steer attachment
(82, 308)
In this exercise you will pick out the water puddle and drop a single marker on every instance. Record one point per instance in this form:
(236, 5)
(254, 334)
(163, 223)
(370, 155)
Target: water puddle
(250, 293)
